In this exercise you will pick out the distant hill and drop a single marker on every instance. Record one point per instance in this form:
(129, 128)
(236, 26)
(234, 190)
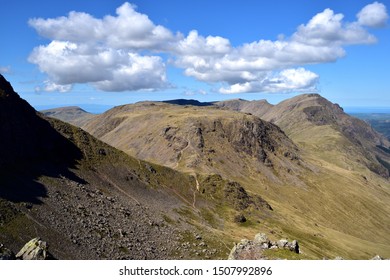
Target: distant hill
(256, 107)
(72, 114)
(188, 102)
(379, 121)
(324, 173)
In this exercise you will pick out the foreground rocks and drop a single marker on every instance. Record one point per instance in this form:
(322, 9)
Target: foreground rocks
(255, 249)
(35, 249)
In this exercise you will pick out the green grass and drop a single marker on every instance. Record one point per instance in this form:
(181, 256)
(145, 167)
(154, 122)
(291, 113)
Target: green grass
(275, 254)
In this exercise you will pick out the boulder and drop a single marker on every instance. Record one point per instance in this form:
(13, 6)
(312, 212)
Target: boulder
(282, 243)
(35, 249)
(293, 246)
(260, 239)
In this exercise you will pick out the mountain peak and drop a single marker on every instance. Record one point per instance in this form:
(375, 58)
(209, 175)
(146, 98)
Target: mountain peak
(4, 83)
(5, 88)
(24, 134)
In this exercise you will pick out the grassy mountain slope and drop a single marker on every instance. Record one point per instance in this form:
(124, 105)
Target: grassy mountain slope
(321, 186)
(321, 127)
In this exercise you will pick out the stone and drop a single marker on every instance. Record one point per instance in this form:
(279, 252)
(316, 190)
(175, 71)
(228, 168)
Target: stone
(293, 246)
(6, 254)
(261, 238)
(377, 258)
(282, 243)
(264, 246)
(233, 252)
(35, 249)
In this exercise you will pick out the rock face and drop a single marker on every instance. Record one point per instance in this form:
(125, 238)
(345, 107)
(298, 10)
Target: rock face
(35, 249)
(254, 250)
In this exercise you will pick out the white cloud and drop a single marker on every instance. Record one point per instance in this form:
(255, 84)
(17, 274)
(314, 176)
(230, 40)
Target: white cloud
(194, 44)
(259, 66)
(287, 80)
(5, 69)
(123, 52)
(190, 92)
(327, 28)
(105, 68)
(129, 29)
(373, 15)
(49, 86)
(136, 72)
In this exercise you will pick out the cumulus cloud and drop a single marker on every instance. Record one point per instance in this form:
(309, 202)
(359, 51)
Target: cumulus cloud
(288, 80)
(328, 28)
(137, 72)
(373, 15)
(123, 52)
(107, 69)
(50, 86)
(265, 65)
(128, 29)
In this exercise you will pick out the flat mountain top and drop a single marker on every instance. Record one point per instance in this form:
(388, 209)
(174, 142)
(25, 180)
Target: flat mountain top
(188, 102)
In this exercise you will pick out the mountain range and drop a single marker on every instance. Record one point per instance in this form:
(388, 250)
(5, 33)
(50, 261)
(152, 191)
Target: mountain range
(186, 179)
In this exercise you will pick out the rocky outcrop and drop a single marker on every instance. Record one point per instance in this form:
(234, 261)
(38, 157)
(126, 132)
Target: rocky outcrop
(377, 258)
(35, 249)
(232, 193)
(255, 249)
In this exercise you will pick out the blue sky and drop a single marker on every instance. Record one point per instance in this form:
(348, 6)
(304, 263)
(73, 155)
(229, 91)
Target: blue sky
(104, 53)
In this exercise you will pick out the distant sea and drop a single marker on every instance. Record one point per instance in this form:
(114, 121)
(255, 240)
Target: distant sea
(367, 110)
